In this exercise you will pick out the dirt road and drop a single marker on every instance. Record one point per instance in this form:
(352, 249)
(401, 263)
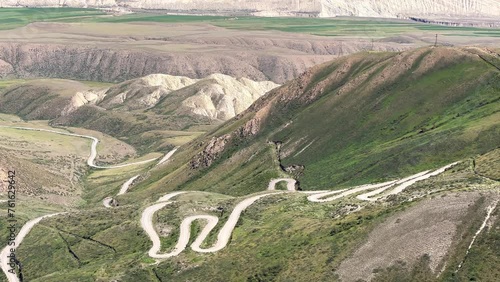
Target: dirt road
(4, 260)
(226, 231)
(185, 228)
(93, 147)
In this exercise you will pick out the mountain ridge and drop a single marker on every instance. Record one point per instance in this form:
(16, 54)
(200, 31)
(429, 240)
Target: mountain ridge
(358, 119)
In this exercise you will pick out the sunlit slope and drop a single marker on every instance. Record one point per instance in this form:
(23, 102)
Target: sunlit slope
(415, 110)
(359, 119)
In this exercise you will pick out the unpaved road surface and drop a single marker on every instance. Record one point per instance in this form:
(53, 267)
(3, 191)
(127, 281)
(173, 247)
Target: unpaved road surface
(167, 156)
(93, 147)
(147, 225)
(127, 184)
(226, 231)
(4, 260)
(185, 228)
(106, 202)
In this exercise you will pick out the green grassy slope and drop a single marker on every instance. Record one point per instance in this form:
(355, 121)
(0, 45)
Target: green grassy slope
(37, 99)
(16, 17)
(351, 27)
(359, 119)
(280, 238)
(45, 99)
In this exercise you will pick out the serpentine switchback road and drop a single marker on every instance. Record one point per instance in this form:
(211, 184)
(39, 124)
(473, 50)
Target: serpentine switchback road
(226, 231)
(4, 260)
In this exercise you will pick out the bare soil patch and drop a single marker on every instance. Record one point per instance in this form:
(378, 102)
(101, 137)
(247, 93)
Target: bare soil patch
(427, 228)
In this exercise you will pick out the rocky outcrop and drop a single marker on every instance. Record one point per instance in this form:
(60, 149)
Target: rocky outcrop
(211, 152)
(6, 69)
(216, 97)
(416, 8)
(82, 98)
(217, 145)
(250, 128)
(144, 92)
(221, 97)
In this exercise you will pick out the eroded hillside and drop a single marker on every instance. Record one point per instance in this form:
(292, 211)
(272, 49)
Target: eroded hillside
(101, 52)
(136, 107)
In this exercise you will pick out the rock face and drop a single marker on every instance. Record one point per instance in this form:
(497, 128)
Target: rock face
(143, 92)
(216, 97)
(211, 152)
(217, 145)
(95, 64)
(223, 97)
(324, 8)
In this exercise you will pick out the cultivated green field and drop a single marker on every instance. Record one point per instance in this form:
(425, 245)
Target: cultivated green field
(17, 17)
(350, 27)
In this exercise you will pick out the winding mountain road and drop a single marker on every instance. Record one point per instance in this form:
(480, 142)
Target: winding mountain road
(4, 260)
(226, 231)
(147, 225)
(211, 222)
(107, 201)
(93, 147)
(90, 162)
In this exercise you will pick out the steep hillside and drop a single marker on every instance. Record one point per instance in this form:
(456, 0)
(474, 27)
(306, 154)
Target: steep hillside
(115, 65)
(280, 238)
(361, 119)
(364, 118)
(422, 8)
(217, 97)
(143, 93)
(38, 99)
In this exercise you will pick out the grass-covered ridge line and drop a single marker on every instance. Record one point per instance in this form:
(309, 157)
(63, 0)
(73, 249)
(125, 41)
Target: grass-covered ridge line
(366, 118)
